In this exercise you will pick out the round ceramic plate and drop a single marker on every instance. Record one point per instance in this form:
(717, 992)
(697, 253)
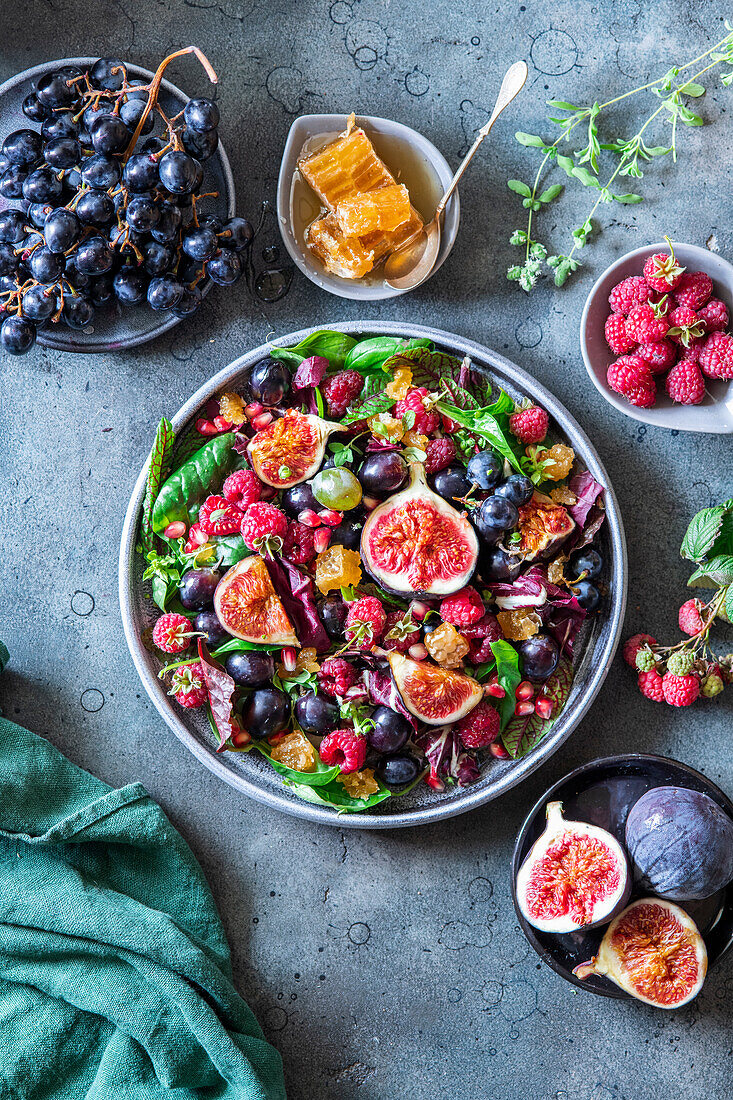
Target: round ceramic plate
(602, 793)
(251, 774)
(113, 327)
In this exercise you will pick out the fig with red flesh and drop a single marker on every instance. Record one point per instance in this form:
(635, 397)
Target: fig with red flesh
(291, 448)
(248, 606)
(575, 876)
(417, 544)
(436, 696)
(654, 951)
(543, 526)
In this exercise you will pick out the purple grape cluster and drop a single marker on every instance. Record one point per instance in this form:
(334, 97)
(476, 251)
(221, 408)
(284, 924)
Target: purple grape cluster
(105, 211)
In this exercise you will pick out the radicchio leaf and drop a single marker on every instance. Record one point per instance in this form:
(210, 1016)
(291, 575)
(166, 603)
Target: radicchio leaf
(587, 490)
(220, 689)
(376, 443)
(296, 591)
(593, 524)
(524, 733)
(311, 372)
(446, 758)
(383, 692)
(561, 614)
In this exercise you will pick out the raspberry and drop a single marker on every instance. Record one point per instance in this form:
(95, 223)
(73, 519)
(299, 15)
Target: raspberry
(680, 691)
(685, 383)
(439, 454)
(336, 676)
(712, 684)
(462, 608)
(217, 517)
(633, 291)
(644, 326)
(685, 326)
(365, 621)
(716, 355)
(479, 727)
(650, 686)
(344, 747)
(263, 527)
(617, 337)
(693, 289)
(427, 420)
(658, 356)
(298, 543)
(340, 390)
(529, 425)
(188, 686)
(627, 373)
(172, 632)
(714, 315)
(400, 632)
(633, 644)
(662, 272)
(680, 663)
(690, 619)
(643, 396)
(241, 489)
(479, 636)
(645, 660)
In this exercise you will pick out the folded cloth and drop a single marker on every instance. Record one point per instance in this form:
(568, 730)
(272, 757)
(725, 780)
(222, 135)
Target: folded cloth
(115, 975)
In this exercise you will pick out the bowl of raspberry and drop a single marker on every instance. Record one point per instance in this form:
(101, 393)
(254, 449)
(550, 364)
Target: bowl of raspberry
(657, 338)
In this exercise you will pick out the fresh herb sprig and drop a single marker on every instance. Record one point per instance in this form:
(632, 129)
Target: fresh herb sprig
(583, 164)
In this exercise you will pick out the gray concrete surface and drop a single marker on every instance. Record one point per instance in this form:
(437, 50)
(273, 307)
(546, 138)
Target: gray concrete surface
(381, 965)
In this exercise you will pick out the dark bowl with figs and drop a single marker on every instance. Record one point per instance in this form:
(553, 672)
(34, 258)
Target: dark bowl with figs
(595, 643)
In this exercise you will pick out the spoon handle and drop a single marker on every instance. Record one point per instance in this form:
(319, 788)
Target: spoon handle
(511, 85)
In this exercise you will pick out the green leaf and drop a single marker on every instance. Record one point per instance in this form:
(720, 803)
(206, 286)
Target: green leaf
(484, 424)
(658, 150)
(230, 549)
(563, 105)
(689, 117)
(530, 140)
(519, 187)
(567, 164)
(693, 89)
(509, 676)
(332, 345)
(714, 573)
(160, 457)
(702, 533)
(483, 671)
(523, 734)
(729, 603)
(334, 794)
(365, 407)
(323, 773)
(238, 645)
(586, 178)
(630, 197)
(551, 192)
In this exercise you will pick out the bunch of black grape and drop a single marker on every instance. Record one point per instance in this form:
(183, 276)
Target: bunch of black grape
(105, 211)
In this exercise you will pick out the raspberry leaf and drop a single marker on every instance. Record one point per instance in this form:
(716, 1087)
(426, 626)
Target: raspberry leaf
(729, 603)
(702, 532)
(714, 573)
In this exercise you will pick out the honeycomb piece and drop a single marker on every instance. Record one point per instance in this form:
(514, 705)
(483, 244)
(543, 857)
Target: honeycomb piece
(386, 209)
(518, 625)
(346, 167)
(415, 439)
(446, 646)
(359, 784)
(343, 256)
(400, 384)
(231, 407)
(337, 567)
(386, 426)
(295, 751)
(557, 462)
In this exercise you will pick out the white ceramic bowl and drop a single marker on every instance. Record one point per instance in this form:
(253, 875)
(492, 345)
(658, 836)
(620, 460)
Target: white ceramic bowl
(715, 414)
(373, 287)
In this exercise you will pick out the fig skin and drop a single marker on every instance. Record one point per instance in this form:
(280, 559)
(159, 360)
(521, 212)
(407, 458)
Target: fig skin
(609, 962)
(604, 908)
(681, 843)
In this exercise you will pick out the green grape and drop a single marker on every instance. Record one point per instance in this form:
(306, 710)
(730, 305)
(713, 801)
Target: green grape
(337, 488)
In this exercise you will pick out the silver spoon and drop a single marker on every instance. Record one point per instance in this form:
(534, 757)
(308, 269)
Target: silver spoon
(410, 265)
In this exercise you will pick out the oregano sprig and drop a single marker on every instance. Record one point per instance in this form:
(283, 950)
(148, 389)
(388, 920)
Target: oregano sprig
(583, 164)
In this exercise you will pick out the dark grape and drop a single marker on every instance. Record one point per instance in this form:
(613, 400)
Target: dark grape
(201, 115)
(451, 484)
(496, 565)
(96, 208)
(485, 469)
(495, 516)
(539, 657)
(94, 256)
(73, 276)
(584, 563)
(189, 303)
(54, 91)
(34, 109)
(587, 595)
(100, 172)
(12, 225)
(390, 732)
(23, 147)
(38, 212)
(237, 233)
(9, 262)
(399, 770)
(250, 668)
(332, 612)
(130, 286)
(168, 224)
(101, 290)
(141, 172)
(109, 134)
(383, 472)
(178, 172)
(152, 145)
(348, 532)
(200, 145)
(164, 292)
(62, 152)
(214, 633)
(42, 185)
(517, 488)
(61, 229)
(38, 304)
(17, 335)
(132, 110)
(59, 126)
(107, 73)
(224, 268)
(269, 381)
(46, 266)
(158, 258)
(11, 182)
(266, 712)
(78, 312)
(199, 243)
(142, 214)
(299, 497)
(197, 587)
(316, 714)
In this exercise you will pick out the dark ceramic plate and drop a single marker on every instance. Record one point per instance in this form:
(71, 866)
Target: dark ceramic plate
(602, 793)
(114, 328)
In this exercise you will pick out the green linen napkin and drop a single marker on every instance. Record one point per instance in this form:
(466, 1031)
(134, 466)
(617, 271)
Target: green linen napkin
(115, 975)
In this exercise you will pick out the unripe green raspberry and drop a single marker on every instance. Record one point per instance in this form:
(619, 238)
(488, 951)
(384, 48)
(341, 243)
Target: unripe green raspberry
(680, 663)
(645, 660)
(712, 685)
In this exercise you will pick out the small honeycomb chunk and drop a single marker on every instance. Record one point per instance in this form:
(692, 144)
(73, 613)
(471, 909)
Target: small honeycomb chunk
(386, 209)
(337, 567)
(295, 751)
(359, 784)
(519, 624)
(386, 426)
(557, 462)
(446, 646)
(304, 662)
(400, 384)
(231, 407)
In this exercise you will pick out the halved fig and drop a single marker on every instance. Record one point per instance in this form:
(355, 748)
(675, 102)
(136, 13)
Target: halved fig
(575, 876)
(248, 606)
(416, 544)
(437, 696)
(654, 951)
(543, 526)
(291, 448)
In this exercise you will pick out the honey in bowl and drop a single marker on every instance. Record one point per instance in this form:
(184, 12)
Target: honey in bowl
(357, 197)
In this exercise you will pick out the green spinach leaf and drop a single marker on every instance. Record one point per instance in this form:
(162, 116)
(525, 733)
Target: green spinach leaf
(334, 346)
(186, 489)
(508, 675)
(334, 794)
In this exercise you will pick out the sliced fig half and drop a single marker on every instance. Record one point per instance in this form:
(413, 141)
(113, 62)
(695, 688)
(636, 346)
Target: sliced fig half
(543, 526)
(248, 606)
(291, 448)
(437, 696)
(654, 951)
(575, 876)
(417, 544)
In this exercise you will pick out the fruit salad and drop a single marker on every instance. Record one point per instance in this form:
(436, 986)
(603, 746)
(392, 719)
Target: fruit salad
(370, 569)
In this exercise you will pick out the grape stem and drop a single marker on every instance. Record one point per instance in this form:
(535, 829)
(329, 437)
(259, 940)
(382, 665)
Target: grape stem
(154, 88)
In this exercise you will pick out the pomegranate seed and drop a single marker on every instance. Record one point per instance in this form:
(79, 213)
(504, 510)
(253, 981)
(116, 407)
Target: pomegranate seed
(498, 751)
(418, 609)
(494, 688)
(309, 518)
(211, 408)
(370, 503)
(544, 706)
(418, 651)
(524, 690)
(435, 783)
(206, 427)
(289, 658)
(262, 421)
(222, 424)
(523, 708)
(175, 530)
(321, 539)
(253, 409)
(327, 515)
(240, 738)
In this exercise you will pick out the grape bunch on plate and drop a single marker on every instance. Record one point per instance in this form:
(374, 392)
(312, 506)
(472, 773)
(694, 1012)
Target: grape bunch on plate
(105, 210)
